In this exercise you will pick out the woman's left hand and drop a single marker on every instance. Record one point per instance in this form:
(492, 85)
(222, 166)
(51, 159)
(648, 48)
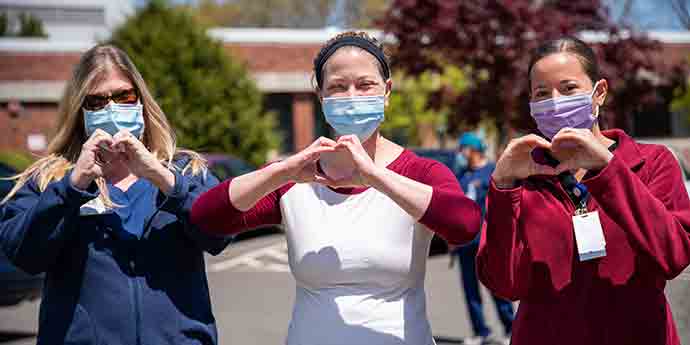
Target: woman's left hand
(141, 162)
(579, 149)
(365, 169)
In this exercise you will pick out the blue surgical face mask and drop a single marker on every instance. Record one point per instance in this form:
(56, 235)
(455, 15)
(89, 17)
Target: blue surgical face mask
(114, 117)
(460, 162)
(359, 115)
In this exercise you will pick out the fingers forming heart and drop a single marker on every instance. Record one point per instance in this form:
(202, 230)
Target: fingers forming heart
(322, 142)
(565, 147)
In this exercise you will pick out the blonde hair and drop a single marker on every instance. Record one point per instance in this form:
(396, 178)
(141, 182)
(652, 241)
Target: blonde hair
(65, 147)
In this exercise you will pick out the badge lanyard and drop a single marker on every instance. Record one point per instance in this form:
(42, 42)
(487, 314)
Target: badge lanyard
(589, 235)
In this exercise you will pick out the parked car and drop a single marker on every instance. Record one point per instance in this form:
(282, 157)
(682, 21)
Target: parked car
(448, 158)
(225, 166)
(15, 284)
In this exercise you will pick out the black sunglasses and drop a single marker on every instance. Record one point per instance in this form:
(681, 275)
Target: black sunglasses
(96, 102)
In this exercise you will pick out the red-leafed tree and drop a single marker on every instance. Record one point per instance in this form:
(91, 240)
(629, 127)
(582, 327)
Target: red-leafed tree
(492, 40)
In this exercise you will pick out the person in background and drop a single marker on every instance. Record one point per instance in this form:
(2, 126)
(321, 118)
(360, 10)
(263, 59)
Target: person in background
(583, 226)
(474, 180)
(106, 216)
(351, 209)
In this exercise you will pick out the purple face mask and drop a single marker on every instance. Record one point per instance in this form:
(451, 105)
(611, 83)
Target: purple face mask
(566, 111)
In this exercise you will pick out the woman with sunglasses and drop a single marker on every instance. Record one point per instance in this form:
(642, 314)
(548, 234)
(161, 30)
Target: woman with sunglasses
(587, 238)
(351, 209)
(106, 216)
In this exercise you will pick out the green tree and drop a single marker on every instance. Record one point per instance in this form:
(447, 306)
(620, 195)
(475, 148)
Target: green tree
(30, 26)
(418, 109)
(207, 95)
(496, 38)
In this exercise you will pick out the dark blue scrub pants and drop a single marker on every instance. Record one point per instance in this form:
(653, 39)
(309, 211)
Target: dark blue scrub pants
(466, 256)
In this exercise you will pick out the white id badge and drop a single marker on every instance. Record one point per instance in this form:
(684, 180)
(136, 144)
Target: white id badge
(589, 236)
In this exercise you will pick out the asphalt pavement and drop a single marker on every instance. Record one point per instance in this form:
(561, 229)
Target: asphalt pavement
(252, 293)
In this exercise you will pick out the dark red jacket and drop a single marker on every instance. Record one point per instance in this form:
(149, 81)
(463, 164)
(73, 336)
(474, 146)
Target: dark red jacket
(528, 252)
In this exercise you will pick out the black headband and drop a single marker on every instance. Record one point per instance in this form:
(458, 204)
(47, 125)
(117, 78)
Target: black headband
(350, 41)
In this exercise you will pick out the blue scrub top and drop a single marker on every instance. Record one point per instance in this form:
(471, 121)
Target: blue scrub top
(475, 184)
(137, 205)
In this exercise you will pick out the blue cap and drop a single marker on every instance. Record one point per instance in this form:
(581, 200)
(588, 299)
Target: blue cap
(471, 140)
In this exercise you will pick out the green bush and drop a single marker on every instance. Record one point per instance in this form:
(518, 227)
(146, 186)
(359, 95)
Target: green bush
(681, 100)
(207, 95)
(15, 159)
(411, 103)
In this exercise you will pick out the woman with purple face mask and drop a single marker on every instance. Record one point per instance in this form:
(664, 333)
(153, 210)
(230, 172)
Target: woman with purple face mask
(587, 240)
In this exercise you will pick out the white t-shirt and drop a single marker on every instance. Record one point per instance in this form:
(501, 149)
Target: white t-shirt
(359, 262)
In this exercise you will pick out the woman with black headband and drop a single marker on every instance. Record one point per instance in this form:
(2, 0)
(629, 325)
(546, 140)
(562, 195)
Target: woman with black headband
(351, 209)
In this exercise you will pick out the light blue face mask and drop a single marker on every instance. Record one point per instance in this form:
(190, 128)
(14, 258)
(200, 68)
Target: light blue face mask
(359, 115)
(115, 117)
(460, 162)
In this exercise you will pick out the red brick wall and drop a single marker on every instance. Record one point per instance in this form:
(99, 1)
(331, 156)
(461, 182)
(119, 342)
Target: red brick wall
(34, 119)
(275, 57)
(37, 66)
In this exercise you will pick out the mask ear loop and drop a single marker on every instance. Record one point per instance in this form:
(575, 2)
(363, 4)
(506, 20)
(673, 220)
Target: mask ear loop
(143, 127)
(593, 94)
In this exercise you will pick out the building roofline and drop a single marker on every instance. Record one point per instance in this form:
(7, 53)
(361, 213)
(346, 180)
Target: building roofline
(42, 45)
(278, 35)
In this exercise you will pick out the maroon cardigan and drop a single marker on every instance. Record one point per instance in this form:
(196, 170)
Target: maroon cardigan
(528, 253)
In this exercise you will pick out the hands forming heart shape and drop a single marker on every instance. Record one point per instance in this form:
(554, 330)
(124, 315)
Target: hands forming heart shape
(305, 165)
(102, 149)
(572, 149)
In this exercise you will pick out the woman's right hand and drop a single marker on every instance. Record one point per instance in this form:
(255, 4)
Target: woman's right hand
(302, 166)
(88, 166)
(516, 162)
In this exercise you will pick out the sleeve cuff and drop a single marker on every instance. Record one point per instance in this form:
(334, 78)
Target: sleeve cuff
(180, 187)
(177, 196)
(453, 216)
(72, 194)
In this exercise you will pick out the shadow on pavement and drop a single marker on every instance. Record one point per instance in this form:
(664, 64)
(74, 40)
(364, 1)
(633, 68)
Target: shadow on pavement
(10, 336)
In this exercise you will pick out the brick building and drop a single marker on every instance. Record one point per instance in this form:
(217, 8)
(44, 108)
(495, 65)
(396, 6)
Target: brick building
(33, 72)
